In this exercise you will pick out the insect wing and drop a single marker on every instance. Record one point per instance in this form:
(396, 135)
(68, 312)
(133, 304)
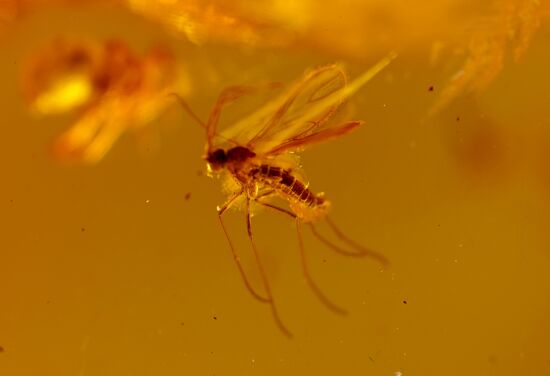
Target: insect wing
(311, 127)
(300, 116)
(299, 143)
(270, 120)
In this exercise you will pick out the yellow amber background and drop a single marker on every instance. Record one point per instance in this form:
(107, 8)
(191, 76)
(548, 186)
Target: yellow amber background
(110, 270)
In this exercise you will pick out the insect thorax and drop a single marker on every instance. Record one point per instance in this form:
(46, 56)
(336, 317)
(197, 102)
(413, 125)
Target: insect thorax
(240, 163)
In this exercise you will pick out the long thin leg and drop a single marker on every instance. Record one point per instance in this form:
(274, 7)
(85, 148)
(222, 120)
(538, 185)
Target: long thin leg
(236, 257)
(333, 246)
(271, 206)
(263, 274)
(361, 249)
(311, 283)
(322, 297)
(264, 194)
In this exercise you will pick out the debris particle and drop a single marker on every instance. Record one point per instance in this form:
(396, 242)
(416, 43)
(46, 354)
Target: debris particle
(147, 201)
(82, 229)
(458, 118)
(1, 349)
(431, 88)
(404, 302)
(187, 196)
(215, 317)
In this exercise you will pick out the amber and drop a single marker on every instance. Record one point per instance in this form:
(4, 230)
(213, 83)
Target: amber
(120, 268)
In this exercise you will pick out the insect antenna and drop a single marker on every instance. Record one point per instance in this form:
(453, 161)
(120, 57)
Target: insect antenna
(194, 116)
(225, 98)
(188, 109)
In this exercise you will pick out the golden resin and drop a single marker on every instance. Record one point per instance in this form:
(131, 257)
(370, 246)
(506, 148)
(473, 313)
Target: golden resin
(120, 268)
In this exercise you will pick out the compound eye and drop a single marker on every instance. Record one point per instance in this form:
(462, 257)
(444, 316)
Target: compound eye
(220, 155)
(217, 157)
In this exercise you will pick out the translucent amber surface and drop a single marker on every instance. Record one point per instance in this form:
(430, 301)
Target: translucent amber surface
(119, 267)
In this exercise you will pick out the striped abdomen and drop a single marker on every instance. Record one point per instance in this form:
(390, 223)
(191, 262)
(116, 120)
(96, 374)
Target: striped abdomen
(286, 183)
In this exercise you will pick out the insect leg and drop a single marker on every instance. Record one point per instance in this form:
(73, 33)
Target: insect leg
(264, 194)
(263, 274)
(281, 210)
(360, 251)
(236, 257)
(366, 251)
(322, 297)
(311, 283)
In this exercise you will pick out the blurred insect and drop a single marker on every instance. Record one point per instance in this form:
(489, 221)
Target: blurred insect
(113, 89)
(510, 27)
(252, 156)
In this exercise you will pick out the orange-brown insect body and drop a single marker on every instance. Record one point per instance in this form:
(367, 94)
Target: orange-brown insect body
(256, 163)
(256, 176)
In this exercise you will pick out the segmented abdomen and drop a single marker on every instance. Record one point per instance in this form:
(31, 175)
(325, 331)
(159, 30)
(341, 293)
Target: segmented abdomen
(283, 181)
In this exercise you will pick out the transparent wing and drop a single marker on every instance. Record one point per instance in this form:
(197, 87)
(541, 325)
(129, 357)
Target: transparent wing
(300, 142)
(295, 118)
(279, 117)
(300, 116)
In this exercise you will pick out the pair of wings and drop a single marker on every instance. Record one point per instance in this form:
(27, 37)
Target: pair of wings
(297, 118)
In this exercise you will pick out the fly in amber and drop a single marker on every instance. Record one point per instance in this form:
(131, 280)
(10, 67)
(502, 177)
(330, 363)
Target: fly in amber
(252, 154)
